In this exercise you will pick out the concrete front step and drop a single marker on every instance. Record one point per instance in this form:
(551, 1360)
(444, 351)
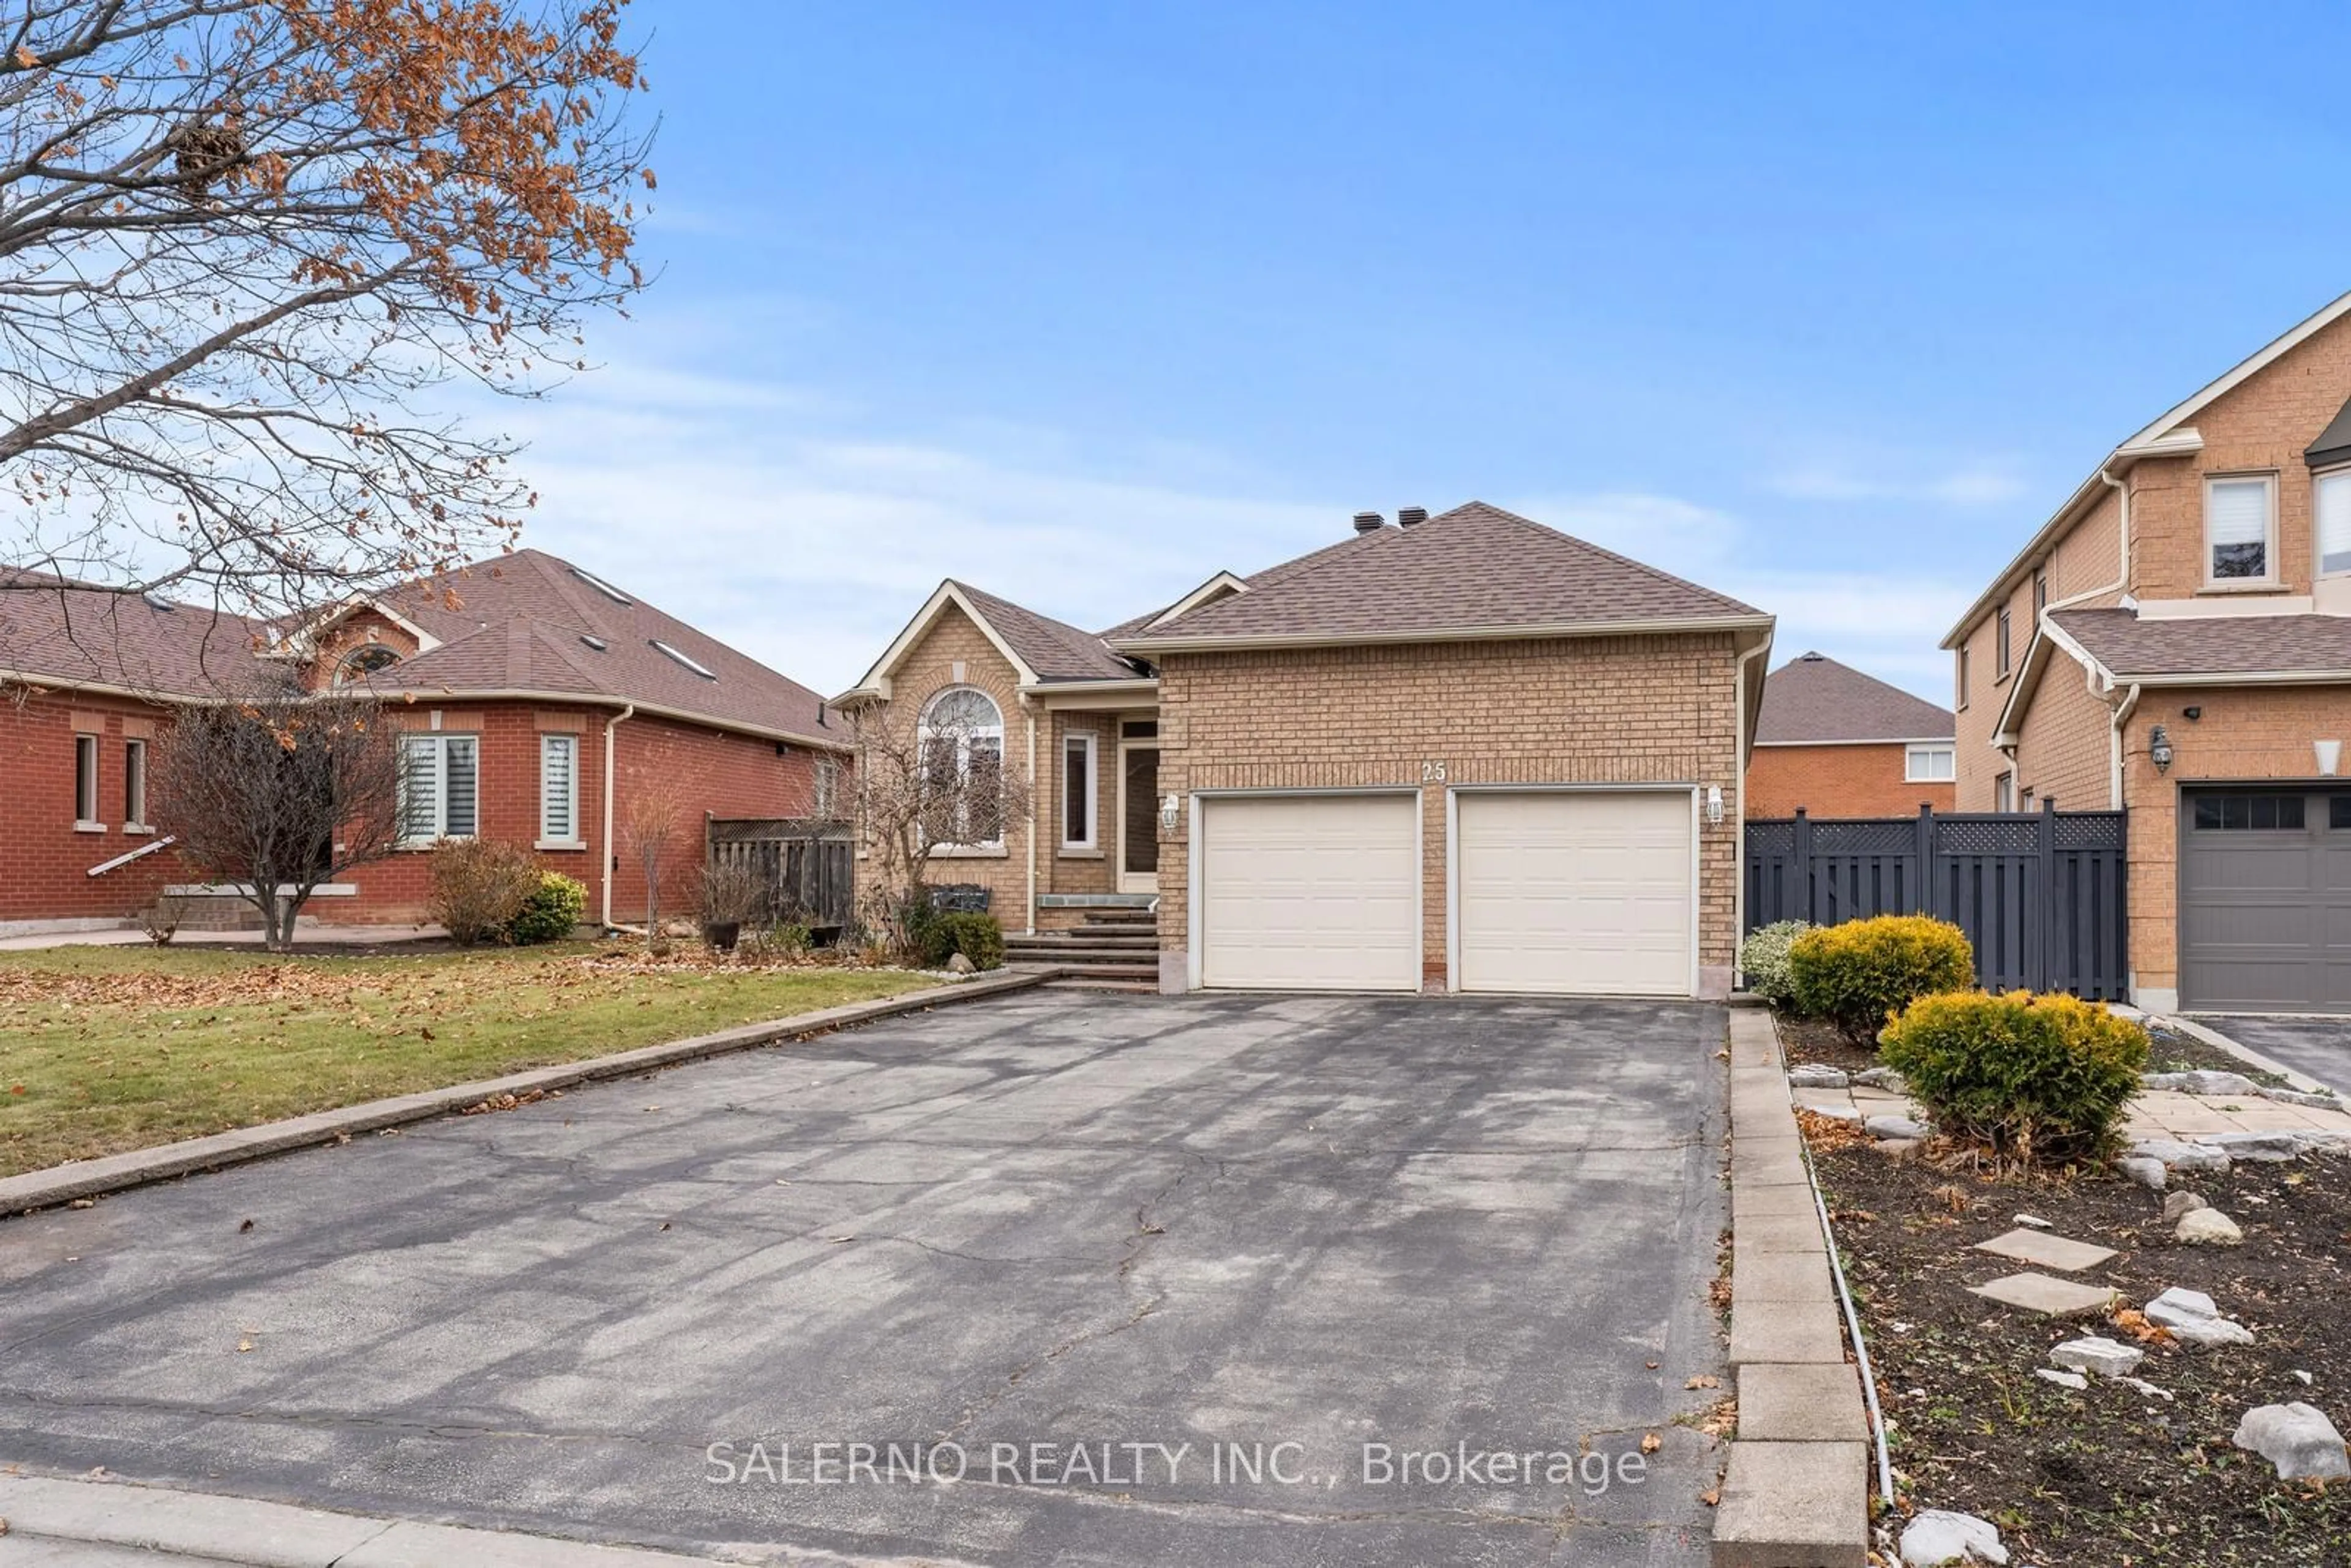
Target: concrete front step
(1104, 970)
(1090, 983)
(1045, 948)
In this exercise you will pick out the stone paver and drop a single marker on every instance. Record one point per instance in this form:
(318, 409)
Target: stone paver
(1801, 1404)
(2044, 1251)
(1793, 1503)
(2047, 1295)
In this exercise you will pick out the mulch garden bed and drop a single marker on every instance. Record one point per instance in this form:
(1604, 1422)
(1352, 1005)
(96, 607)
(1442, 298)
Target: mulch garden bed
(2112, 1478)
(1810, 1042)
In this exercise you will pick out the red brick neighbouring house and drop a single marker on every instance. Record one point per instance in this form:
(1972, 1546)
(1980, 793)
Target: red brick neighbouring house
(1836, 743)
(535, 701)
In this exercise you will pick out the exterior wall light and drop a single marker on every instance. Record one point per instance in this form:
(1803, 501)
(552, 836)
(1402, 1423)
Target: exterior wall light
(1170, 807)
(2158, 748)
(1714, 805)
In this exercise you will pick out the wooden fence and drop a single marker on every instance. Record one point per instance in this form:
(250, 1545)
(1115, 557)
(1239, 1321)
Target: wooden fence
(2040, 894)
(807, 865)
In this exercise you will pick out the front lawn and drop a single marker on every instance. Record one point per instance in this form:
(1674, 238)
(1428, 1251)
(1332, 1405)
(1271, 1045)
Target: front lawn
(107, 1049)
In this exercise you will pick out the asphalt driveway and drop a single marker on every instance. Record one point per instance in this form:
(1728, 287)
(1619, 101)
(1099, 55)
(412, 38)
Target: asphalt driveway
(1321, 1234)
(2320, 1047)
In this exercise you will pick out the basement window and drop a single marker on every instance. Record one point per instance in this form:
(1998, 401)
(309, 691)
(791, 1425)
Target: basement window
(683, 659)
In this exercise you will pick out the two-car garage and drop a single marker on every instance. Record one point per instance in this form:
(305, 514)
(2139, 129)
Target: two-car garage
(1569, 891)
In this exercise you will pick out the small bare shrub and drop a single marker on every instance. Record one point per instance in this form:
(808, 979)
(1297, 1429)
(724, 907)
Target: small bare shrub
(479, 886)
(160, 919)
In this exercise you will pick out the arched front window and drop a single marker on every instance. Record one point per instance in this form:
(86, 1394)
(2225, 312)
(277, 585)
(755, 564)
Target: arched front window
(361, 663)
(963, 769)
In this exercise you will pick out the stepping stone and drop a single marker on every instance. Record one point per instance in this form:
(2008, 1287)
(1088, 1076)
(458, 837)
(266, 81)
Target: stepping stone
(1901, 1127)
(2049, 1296)
(2072, 1380)
(2106, 1357)
(2297, 1438)
(2045, 1250)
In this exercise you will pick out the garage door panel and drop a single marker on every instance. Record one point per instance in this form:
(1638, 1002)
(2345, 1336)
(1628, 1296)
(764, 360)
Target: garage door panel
(2264, 911)
(1574, 893)
(1310, 892)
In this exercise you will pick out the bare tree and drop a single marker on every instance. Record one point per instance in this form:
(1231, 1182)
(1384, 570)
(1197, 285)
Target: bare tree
(924, 784)
(650, 816)
(238, 237)
(277, 792)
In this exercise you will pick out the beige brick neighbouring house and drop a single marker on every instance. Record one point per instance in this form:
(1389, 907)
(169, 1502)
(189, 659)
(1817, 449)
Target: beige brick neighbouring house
(2176, 642)
(1456, 752)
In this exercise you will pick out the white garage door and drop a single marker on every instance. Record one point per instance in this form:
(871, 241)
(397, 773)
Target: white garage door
(1310, 893)
(1574, 892)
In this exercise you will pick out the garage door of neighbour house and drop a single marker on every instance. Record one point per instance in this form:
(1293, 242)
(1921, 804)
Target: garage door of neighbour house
(1576, 892)
(1310, 892)
(2265, 899)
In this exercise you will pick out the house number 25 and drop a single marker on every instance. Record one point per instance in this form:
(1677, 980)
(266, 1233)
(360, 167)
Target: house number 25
(1432, 773)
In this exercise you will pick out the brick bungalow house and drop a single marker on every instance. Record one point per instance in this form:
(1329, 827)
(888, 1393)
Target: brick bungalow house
(1836, 743)
(1460, 752)
(535, 700)
(2175, 643)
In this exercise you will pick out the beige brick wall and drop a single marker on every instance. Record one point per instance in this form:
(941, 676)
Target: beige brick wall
(1596, 710)
(954, 651)
(2063, 750)
(2245, 733)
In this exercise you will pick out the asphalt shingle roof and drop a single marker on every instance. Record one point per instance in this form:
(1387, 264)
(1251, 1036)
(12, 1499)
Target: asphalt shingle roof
(57, 629)
(1474, 567)
(517, 623)
(1056, 649)
(2210, 644)
(1813, 700)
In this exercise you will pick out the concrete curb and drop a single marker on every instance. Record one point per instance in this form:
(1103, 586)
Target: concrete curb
(1796, 1492)
(233, 1529)
(115, 1173)
(2245, 1053)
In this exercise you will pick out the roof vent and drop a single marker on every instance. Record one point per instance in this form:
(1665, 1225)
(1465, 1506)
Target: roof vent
(594, 642)
(1407, 516)
(157, 601)
(682, 658)
(1368, 522)
(600, 586)
(1810, 658)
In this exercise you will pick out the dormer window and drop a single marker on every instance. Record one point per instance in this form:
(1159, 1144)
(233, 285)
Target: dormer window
(361, 663)
(2239, 529)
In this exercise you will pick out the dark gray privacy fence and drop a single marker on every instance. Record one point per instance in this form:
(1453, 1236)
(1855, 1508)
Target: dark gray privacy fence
(806, 863)
(2040, 894)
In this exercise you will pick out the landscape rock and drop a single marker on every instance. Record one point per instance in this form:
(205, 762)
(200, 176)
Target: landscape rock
(2072, 1380)
(2265, 1147)
(1883, 1078)
(957, 963)
(1937, 1536)
(1813, 1075)
(1837, 1113)
(2297, 1438)
(2204, 1080)
(2296, 1097)
(2193, 1319)
(2095, 1353)
(1895, 1128)
(2182, 1156)
(2148, 1172)
(2149, 1389)
(2302, 1377)
(2207, 1227)
(1896, 1148)
(2180, 1203)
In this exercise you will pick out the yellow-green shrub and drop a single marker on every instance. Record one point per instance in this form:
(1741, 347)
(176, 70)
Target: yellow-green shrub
(2041, 1078)
(1862, 973)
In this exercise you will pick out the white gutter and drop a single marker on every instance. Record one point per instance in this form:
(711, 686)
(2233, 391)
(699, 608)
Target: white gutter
(609, 857)
(2114, 746)
(2122, 566)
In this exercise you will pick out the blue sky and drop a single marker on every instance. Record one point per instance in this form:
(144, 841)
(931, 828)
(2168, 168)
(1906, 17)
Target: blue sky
(1827, 308)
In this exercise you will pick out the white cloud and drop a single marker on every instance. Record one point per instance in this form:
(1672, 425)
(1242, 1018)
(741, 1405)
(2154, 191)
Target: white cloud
(1979, 485)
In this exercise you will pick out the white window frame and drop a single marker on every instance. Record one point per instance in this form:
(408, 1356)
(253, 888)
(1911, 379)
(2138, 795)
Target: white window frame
(439, 741)
(1088, 839)
(134, 785)
(824, 786)
(2318, 482)
(2004, 792)
(963, 743)
(549, 743)
(2269, 578)
(87, 748)
(1913, 754)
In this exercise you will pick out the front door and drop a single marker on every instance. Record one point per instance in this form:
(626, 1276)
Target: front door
(1138, 819)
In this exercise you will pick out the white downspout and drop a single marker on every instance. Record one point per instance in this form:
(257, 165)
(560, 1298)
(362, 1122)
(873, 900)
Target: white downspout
(2114, 738)
(2122, 566)
(1739, 826)
(609, 726)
